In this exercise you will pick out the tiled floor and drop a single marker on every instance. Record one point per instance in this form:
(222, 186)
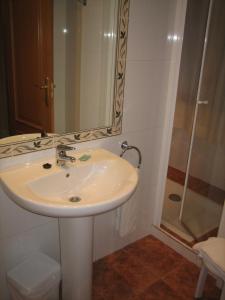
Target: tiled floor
(147, 270)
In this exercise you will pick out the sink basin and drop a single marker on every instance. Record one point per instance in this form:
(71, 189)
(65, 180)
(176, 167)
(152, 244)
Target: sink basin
(84, 188)
(74, 194)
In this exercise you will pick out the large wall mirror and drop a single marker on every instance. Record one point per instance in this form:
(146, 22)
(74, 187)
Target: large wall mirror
(62, 65)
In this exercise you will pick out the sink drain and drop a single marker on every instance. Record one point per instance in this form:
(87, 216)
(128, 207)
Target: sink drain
(175, 197)
(75, 199)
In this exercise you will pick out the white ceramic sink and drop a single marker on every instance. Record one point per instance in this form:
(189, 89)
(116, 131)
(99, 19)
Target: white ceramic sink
(99, 184)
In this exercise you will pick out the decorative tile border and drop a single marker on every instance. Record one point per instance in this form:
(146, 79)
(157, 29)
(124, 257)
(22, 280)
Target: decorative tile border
(26, 147)
(5, 151)
(32, 146)
(82, 136)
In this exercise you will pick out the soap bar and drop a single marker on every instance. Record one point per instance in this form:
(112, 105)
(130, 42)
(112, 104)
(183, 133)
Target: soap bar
(84, 157)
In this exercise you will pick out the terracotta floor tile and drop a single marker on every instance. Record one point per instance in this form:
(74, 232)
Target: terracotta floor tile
(159, 257)
(184, 280)
(136, 273)
(211, 292)
(96, 295)
(148, 270)
(110, 285)
(160, 291)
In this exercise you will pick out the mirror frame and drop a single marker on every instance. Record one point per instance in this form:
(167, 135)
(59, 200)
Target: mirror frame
(39, 144)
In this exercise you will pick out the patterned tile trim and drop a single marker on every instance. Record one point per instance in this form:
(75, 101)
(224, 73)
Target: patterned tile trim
(82, 136)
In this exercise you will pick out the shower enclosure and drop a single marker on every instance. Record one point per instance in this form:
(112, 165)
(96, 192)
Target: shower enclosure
(195, 188)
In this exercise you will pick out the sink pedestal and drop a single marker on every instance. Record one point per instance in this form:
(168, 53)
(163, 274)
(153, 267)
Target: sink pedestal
(76, 241)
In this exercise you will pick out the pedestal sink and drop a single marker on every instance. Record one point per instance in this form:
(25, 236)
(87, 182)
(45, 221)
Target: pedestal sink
(74, 194)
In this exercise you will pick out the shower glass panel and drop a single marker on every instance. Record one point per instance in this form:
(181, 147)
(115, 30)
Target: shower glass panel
(193, 43)
(204, 197)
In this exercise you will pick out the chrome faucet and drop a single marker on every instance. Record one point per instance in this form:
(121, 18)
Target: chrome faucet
(62, 157)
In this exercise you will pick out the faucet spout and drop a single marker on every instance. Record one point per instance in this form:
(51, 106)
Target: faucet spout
(61, 155)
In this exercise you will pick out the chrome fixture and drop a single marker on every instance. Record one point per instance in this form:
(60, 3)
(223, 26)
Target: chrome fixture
(126, 147)
(43, 134)
(62, 157)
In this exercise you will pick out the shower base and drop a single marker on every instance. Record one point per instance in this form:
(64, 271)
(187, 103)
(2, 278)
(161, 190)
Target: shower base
(202, 216)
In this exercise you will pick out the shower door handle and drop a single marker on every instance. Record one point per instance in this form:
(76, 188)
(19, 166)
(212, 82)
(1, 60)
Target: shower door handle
(203, 102)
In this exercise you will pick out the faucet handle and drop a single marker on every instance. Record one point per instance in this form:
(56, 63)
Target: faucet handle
(62, 147)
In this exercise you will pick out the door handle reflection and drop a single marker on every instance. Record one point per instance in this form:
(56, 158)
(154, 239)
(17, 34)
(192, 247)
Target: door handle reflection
(48, 86)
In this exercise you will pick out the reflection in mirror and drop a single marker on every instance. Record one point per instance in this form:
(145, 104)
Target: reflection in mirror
(62, 76)
(84, 63)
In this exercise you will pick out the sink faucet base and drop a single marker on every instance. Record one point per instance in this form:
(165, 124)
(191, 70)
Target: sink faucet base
(61, 156)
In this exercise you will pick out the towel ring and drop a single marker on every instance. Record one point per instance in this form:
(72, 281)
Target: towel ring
(126, 147)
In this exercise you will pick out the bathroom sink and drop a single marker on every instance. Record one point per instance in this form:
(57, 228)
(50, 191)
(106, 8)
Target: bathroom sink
(84, 188)
(98, 181)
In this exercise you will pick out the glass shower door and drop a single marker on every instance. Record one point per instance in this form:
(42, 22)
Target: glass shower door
(204, 190)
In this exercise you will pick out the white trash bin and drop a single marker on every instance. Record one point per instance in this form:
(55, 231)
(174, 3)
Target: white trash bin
(37, 278)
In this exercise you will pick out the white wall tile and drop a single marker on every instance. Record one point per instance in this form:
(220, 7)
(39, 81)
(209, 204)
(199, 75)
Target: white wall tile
(145, 94)
(15, 220)
(151, 21)
(107, 238)
(4, 294)
(43, 238)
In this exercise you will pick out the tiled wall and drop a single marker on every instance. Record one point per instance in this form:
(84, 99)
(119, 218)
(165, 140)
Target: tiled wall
(148, 75)
(22, 233)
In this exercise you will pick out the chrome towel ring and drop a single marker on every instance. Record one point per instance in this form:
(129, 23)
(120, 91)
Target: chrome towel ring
(126, 147)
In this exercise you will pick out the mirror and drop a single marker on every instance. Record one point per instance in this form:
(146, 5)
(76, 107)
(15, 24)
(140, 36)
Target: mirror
(84, 77)
(72, 87)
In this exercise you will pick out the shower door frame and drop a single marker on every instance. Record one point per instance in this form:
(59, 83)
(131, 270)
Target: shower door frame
(167, 129)
(198, 102)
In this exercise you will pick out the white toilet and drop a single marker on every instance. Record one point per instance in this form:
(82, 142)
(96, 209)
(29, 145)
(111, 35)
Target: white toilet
(37, 278)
